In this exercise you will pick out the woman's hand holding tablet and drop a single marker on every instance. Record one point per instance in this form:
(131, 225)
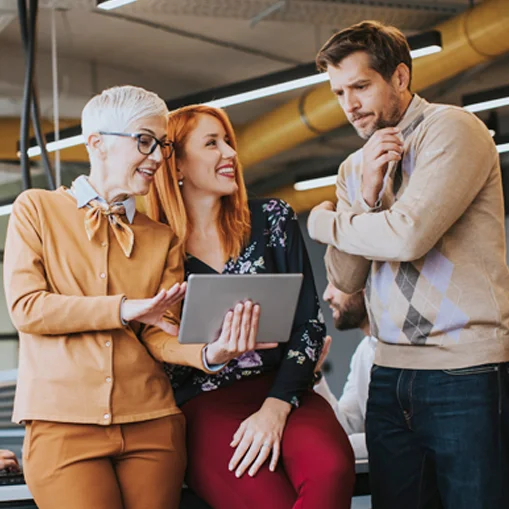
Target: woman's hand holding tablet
(238, 334)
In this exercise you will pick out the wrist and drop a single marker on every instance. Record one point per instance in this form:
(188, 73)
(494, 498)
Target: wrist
(278, 406)
(209, 366)
(211, 355)
(371, 194)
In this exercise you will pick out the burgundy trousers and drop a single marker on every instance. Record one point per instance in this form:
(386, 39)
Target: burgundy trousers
(316, 469)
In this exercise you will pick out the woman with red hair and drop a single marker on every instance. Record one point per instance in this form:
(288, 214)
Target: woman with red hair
(257, 435)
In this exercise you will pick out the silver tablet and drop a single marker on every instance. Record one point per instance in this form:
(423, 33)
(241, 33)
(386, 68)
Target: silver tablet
(210, 296)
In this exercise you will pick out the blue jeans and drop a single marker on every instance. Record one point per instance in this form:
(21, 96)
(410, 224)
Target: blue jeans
(439, 438)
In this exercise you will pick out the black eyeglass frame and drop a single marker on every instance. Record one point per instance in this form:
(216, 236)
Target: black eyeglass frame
(137, 136)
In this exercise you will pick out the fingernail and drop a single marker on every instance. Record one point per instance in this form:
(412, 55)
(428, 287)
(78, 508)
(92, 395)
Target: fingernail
(230, 467)
(238, 307)
(237, 474)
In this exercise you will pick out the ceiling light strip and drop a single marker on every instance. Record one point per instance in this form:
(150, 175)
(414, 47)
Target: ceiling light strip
(504, 147)
(108, 5)
(488, 105)
(238, 99)
(5, 209)
(73, 141)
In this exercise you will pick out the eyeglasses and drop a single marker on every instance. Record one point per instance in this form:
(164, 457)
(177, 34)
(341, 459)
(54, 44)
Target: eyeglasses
(147, 143)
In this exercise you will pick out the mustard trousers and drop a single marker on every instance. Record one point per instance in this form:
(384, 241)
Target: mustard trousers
(122, 466)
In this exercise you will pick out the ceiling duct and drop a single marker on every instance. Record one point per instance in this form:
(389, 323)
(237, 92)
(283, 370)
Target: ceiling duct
(475, 36)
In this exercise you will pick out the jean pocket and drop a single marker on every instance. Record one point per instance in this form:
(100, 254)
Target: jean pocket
(472, 370)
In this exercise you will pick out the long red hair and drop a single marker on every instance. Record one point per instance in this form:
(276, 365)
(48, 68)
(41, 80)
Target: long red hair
(164, 201)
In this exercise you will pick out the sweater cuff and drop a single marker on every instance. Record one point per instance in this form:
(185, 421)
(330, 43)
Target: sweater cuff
(290, 398)
(211, 368)
(366, 208)
(125, 323)
(108, 310)
(321, 226)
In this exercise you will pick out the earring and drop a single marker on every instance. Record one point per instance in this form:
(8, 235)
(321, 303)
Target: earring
(181, 182)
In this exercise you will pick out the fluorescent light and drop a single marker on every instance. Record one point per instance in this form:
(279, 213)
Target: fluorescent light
(298, 83)
(306, 185)
(432, 46)
(486, 99)
(425, 43)
(218, 103)
(488, 105)
(428, 50)
(271, 90)
(5, 209)
(57, 145)
(503, 147)
(107, 5)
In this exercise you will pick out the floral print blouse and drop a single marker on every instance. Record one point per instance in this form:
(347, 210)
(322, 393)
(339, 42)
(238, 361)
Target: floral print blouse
(276, 246)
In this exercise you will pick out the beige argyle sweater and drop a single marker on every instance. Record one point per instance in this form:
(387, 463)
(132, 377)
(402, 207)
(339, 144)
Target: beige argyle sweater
(431, 255)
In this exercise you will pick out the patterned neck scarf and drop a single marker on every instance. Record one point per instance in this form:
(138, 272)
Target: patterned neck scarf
(115, 214)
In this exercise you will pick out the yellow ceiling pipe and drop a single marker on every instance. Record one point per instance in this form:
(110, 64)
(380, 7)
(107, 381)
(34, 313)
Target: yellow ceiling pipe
(471, 38)
(475, 36)
(9, 137)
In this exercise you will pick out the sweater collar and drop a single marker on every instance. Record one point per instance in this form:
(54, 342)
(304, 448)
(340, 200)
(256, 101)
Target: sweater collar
(413, 116)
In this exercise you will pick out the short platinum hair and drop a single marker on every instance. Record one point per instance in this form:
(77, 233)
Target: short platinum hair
(114, 109)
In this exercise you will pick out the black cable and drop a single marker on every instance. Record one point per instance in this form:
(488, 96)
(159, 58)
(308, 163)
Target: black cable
(30, 98)
(27, 92)
(41, 139)
(36, 119)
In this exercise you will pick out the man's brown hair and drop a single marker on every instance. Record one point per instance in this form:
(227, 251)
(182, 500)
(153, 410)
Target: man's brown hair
(386, 46)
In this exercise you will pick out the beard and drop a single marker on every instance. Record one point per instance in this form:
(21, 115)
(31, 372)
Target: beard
(388, 118)
(349, 320)
(351, 314)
